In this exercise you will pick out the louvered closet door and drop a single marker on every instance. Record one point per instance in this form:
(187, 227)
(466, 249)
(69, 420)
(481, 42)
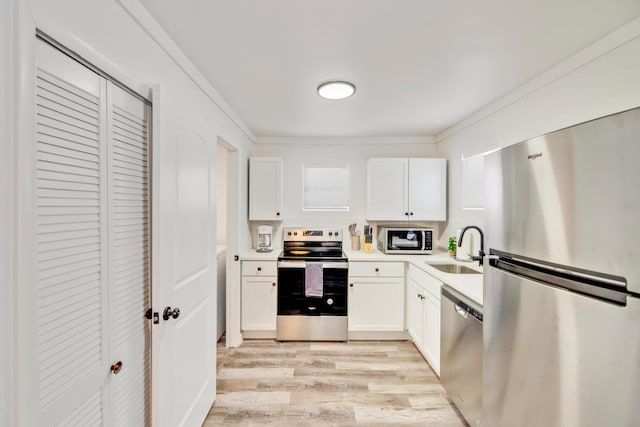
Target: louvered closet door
(128, 184)
(92, 248)
(71, 242)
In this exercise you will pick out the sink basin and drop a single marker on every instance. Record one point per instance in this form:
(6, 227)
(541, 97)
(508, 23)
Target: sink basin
(453, 268)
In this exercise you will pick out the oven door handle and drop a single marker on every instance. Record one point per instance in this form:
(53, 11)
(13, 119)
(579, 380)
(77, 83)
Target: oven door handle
(302, 264)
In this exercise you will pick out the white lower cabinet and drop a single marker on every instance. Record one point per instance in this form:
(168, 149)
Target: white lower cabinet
(432, 331)
(259, 296)
(376, 297)
(415, 312)
(423, 314)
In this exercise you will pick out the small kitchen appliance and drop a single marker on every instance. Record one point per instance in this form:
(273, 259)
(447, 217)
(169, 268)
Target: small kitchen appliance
(398, 240)
(312, 286)
(265, 237)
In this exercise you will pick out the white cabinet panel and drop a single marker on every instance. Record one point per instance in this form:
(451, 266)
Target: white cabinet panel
(415, 313)
(265, 189)
(386, 189)
(432, 331)
(427, 189)
(259, 303)
(376, 304)
(259, 268)
(376, 269)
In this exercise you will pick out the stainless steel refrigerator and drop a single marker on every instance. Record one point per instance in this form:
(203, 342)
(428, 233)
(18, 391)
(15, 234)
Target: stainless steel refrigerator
(561, 335)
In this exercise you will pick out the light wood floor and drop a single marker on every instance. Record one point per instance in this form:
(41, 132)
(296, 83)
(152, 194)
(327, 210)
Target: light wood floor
(337, 384)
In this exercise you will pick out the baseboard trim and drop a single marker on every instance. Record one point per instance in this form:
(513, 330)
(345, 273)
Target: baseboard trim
(378, 335)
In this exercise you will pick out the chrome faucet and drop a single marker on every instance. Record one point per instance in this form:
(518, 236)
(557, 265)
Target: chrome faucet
(480, 256)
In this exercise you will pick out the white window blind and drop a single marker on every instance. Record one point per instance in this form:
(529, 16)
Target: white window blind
(326, 188)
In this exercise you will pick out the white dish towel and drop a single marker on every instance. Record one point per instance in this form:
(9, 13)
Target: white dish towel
(313, 279)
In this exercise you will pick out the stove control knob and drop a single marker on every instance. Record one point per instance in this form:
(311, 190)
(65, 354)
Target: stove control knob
(295, 233)
(330, 301)
(289, 233)
(330, 234)
(336, 234)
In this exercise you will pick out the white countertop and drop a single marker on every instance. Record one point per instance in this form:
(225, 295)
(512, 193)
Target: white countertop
(468, 284)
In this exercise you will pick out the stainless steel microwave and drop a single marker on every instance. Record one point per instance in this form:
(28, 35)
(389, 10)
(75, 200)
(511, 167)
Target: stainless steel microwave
(392, 240)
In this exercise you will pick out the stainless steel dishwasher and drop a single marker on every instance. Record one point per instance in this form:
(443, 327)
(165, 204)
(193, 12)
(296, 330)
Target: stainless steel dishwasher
(461, 353)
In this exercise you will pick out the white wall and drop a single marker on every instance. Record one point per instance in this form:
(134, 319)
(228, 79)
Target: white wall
(599, 80)
(296, 152)
(221, 193)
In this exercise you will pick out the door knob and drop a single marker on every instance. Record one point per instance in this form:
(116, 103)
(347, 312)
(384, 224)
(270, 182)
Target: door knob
(168, 313)
(116, 367)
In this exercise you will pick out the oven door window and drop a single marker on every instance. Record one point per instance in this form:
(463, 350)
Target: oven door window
(292, 299)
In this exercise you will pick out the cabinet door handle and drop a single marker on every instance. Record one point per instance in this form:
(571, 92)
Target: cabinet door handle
(277, 213)
(273, 283)
(377, 270)
(351, 285)
(406, 213)
(411, 213)
(259, 268)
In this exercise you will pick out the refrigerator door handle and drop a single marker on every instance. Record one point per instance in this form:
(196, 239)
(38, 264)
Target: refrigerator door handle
(595, 285)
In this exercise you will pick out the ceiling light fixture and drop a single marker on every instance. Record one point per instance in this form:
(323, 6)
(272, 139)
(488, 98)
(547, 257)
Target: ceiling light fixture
(336, 90)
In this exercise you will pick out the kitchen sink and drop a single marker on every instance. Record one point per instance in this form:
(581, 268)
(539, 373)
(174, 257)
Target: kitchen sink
(453, 268)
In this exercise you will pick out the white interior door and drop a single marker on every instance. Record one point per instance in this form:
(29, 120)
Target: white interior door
(70, 348)
(90, 250)
(129, 292)
(184, 279)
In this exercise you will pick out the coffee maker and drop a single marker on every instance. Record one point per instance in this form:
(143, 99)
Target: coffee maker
(265, 234)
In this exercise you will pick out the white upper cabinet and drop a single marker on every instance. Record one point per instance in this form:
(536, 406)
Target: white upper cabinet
(428, 189)
(406, 189)
(387, 195)
(265, 189)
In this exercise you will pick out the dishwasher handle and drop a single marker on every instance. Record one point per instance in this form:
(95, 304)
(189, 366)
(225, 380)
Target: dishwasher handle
(461, 311)
(463, 306)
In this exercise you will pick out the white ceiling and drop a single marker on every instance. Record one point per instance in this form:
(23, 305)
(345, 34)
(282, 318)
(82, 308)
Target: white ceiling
(420, 66)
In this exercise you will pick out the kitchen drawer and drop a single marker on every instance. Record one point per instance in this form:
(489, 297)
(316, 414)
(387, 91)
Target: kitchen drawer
(376, 269)
(259, 268)
(427, 281)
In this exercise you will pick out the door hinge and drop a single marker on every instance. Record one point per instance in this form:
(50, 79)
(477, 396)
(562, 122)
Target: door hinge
(150, 314)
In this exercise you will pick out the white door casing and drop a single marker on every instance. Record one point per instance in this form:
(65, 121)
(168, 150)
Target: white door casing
(184, 253)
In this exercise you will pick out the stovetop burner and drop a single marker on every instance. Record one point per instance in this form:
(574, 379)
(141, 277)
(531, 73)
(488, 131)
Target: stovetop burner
(320, 244)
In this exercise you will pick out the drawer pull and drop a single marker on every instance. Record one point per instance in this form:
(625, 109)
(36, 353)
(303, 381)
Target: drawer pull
(351, 285)
(377, 270)
(273, 283)
(259, 268)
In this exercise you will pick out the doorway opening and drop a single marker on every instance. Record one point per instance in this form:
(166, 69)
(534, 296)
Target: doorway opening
(227, 199)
